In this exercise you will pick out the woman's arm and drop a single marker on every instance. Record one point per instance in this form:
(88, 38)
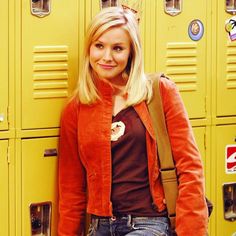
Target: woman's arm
(72, 178)
(191, 209)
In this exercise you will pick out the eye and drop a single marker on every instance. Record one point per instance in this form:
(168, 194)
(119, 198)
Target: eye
(118, 48)
(98, 45)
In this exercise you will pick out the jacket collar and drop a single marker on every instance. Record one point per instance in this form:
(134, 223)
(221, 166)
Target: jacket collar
(106, 92)
(104, 88)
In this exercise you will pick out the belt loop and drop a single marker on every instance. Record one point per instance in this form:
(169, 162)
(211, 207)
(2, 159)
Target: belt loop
(113, 218)
(95, 223)
(129, 221)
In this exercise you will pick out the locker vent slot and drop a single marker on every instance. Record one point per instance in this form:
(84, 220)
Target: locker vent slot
(181, 64)
(231, 66)
(50, 72)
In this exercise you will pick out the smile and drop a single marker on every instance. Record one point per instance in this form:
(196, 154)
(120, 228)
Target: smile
(106, 67)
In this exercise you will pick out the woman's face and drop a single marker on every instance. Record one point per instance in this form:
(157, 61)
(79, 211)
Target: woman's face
(109, 54)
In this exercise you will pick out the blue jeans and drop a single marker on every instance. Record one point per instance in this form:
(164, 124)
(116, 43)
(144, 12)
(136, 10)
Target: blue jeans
(130, 226)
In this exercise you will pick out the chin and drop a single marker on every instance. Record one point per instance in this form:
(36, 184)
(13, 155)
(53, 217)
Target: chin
(107, 77)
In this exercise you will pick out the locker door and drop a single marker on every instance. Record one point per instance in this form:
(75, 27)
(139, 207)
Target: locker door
(4, 204)
(202, 138)
(225, 135)
(180, 57)
(4, 66)
(49, 62)
(226, 65)
(39, 185)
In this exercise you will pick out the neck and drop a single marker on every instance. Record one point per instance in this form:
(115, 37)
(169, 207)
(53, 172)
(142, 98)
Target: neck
(118, 85)
(118, 89)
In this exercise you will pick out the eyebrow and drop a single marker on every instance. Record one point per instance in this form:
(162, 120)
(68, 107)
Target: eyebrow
(115, 44)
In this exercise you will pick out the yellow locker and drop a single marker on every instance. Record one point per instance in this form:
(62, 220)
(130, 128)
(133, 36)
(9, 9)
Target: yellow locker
(4, 66)
(225, 135)
(179, 56)
(226, 63)
(148, 26)
(202, 138)
(49, 62)
(4, 176)
(39, 186)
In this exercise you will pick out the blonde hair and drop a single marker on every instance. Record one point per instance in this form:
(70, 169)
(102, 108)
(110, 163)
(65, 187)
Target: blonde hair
(138, 88)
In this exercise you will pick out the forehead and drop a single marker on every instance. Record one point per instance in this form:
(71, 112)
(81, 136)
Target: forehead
(115, 35)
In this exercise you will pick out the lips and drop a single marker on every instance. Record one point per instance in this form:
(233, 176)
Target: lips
(106, 67)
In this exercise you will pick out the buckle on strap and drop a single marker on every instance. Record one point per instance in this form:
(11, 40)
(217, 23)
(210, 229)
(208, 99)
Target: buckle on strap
(168, 175)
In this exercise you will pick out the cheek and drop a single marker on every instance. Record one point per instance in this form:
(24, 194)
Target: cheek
(123, 59)
(94, 54)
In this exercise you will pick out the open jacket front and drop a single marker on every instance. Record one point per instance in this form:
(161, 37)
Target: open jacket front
(85, 163)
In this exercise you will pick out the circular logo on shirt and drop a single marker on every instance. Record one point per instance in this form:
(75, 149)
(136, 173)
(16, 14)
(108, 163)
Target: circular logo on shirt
(117, 130)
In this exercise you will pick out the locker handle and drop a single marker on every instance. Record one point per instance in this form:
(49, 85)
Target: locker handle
(229, 201)
(108, 3)
(40, 8)
(173, 7)
(230, 6)
(40, 217)
(51, 152)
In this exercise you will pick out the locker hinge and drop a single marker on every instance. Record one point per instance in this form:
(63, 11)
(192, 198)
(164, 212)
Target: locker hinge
(8, 154)
(205, 105)
(8, 115)
(205, 144)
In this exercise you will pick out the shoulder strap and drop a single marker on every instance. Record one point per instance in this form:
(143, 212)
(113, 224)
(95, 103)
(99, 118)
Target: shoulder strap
(167, 166)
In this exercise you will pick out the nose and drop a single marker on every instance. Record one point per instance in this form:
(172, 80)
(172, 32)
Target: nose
(107, 56)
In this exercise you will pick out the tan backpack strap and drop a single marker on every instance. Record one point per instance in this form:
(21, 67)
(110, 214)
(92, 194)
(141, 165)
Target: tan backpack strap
(167, 166)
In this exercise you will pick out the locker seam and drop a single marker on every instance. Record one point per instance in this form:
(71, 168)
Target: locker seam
(8, 154)
(8, 115)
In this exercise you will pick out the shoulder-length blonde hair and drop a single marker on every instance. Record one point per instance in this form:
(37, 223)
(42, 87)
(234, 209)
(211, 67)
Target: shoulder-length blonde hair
(137, 87)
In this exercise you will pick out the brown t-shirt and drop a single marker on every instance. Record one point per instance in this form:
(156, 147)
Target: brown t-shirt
(130, 183)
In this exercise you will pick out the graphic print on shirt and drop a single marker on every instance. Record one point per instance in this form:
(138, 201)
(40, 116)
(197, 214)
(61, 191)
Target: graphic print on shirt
(117, 130)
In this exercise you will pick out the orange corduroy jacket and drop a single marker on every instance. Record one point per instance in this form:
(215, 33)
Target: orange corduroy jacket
(85, 171)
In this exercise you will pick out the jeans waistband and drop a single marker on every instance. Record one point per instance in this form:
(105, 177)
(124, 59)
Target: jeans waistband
(129, 218)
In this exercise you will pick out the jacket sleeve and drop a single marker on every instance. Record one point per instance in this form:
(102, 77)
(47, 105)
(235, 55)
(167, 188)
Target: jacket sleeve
(72, 178)
(191, 209)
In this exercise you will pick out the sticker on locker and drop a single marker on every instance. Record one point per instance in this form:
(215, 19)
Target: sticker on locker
(230, 159)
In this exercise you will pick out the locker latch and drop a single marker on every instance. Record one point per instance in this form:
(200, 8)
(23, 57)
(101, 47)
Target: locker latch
(229, 198)
(230, 6)
(40, 217)
(173, 7)
(51, 152)
(40, 8)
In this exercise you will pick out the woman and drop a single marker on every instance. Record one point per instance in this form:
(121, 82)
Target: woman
(108, 153)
